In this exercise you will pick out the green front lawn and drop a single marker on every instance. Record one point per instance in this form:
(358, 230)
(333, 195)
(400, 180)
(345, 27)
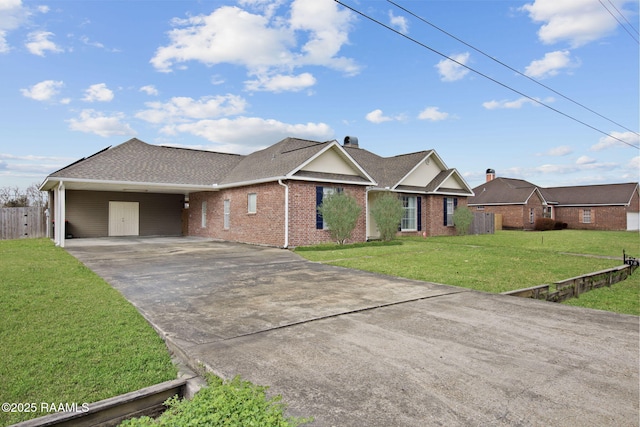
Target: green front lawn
(66, 335)
(504, 261)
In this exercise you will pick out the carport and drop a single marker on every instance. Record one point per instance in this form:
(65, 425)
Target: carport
(134, 189)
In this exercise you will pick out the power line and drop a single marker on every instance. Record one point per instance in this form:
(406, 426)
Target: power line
(509, 67)
(616, 18)
(482, 74)
(623, 17)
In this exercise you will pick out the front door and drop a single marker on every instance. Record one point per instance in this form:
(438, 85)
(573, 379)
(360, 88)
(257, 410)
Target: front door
(123, 218)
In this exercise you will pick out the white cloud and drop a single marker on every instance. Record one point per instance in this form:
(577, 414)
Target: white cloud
(98, 92)
(451, 71)
(634, 165)
(91, 121)
(12, 16)
(515, 104)
(585, 160)
(608, 142)
(149, 90)
(559, 151)
(433, 114)
(38, 43)
(43, 91)
(550, 65)
(234, 134)
(399, 23)
(182, 109)
(266, 46)
(281, 83)
(376, 116)
(577, 21)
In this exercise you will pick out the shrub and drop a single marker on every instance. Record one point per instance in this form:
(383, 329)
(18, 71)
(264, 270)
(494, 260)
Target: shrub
(387, 212)
(544, 224)
(340, 211)
(234, 403)
(462, 220)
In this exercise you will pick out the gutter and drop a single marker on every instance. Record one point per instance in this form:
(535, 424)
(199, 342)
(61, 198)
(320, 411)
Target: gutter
(286, 213)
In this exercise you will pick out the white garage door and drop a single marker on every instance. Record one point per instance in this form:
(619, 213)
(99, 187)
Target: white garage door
(633, 221)
(123, 218)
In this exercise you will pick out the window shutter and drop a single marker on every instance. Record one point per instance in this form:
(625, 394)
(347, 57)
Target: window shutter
(319, 193)
(444, 211)
(419, 202)
(455, 203)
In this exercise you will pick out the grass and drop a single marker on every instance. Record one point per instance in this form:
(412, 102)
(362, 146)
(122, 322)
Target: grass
(504, 261)
(66, 335)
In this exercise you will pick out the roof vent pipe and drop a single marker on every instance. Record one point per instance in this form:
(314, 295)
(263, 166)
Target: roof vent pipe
(350, 141)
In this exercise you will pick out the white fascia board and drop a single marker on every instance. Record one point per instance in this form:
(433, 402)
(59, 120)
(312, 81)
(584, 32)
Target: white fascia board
(413, 169)
(344, 154)
(127, 183)
(496, 204)
(460, 178)
(246, 183)
(334, 181)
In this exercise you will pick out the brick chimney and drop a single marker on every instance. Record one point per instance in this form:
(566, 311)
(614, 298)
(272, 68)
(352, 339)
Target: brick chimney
(491, 175)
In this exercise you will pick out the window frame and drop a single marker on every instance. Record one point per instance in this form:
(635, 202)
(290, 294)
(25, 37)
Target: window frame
(203, 214)
(409, 220)
(226, 221)
(252, 203)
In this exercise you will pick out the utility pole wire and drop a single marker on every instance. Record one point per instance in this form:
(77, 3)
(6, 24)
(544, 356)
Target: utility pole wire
(509, 67)
(623, 17)
(621, 24)
(483, 75)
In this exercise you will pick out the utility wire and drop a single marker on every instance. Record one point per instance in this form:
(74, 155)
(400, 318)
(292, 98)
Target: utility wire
(621, 24)
(623, 17)
(510, 68)
(481, 74)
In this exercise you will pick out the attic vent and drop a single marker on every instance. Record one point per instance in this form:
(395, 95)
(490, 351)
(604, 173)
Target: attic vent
(350, 141)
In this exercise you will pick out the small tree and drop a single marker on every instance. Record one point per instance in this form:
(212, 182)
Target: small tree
(462, 220)
(387, 212)
(340, 211)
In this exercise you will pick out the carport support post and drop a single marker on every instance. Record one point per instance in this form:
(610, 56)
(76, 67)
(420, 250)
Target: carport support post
(60, 214)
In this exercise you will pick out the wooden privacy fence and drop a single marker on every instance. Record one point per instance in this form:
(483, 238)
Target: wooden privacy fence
(483, 223)
(18, 223)
(574, 286)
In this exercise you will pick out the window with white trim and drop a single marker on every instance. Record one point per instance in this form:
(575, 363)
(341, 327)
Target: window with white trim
(450, 207)
(227, 213)
(252, 203)
(410, 219)
(586, 216)
(203, 214)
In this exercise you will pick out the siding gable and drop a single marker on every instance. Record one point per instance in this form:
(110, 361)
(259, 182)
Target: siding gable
(330, 161)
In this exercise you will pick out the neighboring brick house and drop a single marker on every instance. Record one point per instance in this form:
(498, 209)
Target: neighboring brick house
(268, 197)
(588, 207)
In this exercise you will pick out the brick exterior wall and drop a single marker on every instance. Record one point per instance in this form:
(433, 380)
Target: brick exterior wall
(602, 217)
(265, 227)
(302, 213)
(433, 217)
(517, 217)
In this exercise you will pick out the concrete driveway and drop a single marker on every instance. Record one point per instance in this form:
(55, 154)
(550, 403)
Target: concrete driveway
(359, 349)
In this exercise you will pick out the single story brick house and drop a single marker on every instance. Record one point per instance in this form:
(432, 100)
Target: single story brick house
(268, 197)
(587, 207)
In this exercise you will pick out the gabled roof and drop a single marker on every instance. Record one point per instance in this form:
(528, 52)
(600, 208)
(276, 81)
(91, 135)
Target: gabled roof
(502, 191)
(509, 191)
(391, 172)
(138, 166)
(138, 162)
(285, 160)
(592, 195)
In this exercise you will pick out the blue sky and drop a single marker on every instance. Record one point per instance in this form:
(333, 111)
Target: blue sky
(236, 76)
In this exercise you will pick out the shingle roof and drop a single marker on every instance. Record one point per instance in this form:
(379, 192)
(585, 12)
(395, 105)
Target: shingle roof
(517, 191)
(502, 191)
(274, 161)
(137, 161)
(605, 194)
(386, 171)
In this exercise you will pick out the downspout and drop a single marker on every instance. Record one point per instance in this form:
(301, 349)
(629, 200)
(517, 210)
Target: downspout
(286, 213)
(366, 214)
